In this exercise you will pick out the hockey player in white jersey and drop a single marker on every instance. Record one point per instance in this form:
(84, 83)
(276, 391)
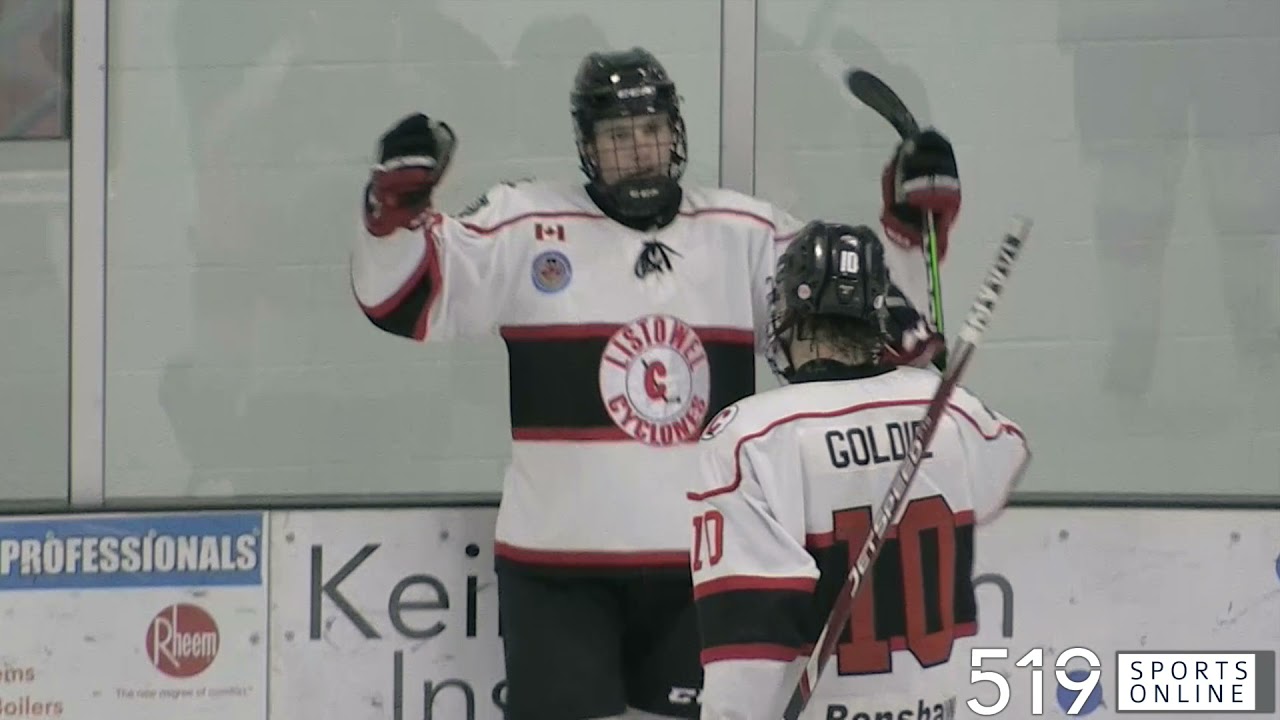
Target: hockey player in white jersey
(790, 480)
(632, 308)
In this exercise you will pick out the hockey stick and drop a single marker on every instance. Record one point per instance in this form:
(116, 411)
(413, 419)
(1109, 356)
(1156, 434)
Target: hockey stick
(875, 94)
(975, 325)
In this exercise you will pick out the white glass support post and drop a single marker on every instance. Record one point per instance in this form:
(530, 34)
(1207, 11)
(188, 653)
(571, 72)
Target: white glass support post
(88, 252)
(738, 95)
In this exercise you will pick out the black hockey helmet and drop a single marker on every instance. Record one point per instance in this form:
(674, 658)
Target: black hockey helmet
(628, 84)
(830, 270)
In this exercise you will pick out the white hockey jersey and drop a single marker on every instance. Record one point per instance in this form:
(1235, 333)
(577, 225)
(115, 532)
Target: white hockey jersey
(791, 478)
(621, 344)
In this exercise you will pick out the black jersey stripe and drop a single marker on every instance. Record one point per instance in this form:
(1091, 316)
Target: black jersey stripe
(769, 618)
(554, 378)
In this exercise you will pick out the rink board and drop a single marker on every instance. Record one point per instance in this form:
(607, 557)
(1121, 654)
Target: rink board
(392, 614)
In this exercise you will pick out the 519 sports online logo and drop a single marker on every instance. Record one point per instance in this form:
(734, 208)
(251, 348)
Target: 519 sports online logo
(1201, 681)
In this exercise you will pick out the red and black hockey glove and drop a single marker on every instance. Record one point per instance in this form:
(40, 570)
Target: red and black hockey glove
(909, 338)
(921, 176)
(412, 157)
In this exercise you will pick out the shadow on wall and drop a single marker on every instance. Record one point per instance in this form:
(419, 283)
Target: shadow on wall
(270, 245)
(262, 405)
(801, 96)
(1146, 112)
(543, 64)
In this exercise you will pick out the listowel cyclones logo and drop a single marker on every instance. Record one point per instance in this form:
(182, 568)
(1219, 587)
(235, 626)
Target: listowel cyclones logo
(182, 640)
(655, 380)
(720, 422)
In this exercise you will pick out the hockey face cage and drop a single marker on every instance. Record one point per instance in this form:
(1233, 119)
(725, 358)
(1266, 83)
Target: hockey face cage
(633, 148)
(830, 271)
(631, 85)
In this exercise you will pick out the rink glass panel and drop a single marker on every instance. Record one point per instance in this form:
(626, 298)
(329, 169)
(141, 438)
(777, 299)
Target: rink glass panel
(240, 137)
(1139, 341)
(34, 252)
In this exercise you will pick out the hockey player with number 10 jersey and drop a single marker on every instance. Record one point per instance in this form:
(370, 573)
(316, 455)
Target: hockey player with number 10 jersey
(791, 478)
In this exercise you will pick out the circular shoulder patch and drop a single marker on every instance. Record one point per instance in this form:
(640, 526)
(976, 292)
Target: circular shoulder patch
(720, 422)
(551, 271)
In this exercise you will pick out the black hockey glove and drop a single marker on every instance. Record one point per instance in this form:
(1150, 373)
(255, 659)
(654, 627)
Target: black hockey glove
(909, 339)
(412, 157)
(921, 176)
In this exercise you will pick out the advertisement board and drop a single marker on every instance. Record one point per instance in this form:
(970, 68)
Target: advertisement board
(146, 617)
(398, 608)
(392, 614)
(385, 615)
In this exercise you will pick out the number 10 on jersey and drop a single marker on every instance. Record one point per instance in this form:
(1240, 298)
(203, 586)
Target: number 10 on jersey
(1033, 659)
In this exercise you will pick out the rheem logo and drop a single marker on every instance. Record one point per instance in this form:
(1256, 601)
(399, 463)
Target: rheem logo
(182, 640)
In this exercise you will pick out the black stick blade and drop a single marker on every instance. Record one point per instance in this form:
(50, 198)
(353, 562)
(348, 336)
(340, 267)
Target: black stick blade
(878, 96)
